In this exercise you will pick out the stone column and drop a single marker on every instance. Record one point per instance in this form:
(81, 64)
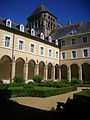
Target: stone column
(69, 73)
(36, 69)
(45, 72)
(26, 71)
(59, 72)
(80, 72)
(53, 73)
(13, 70)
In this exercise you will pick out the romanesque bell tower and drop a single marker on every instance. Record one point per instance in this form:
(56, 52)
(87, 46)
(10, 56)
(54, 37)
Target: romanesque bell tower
(42, 20)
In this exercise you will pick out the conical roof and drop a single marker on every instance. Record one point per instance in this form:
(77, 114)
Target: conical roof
(40, 9)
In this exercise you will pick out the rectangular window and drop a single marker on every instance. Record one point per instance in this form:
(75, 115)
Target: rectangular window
(85, 39)
(50, 53)
(63, 43)
(57, 55)
(42, 50)
(73, 54)
(7, 41)
(73, 41)
(63, 55)
(32, 48)
(20, 45)
(85, 53)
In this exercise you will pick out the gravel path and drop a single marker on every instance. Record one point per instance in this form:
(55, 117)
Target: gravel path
(45, 103)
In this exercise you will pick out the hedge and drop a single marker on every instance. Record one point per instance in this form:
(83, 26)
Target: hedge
(40, 91)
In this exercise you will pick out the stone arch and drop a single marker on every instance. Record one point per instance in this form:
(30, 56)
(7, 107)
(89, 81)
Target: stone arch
(31, 69)
(56, 71)
(74, 71)
(5, 67)
(63, 72)
(19, 69)
(86, 71)
(50, 67)
(41, 68)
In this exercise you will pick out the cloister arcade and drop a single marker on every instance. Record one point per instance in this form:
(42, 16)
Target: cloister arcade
(9, 68)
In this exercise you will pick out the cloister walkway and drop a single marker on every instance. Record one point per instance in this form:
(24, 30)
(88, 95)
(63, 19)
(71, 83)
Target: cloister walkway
(48, 102)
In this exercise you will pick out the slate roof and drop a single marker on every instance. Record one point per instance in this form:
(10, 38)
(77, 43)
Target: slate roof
(40, 9)
(73, 29)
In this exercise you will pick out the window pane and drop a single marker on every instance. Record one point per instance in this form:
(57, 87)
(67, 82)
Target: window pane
(20, 45)
(50, 53)
(7, 41)
(63, 55)
(84, 39)
(42, 50)
(73, 41)
(32, 48)
(85, 53)
(73, 54)
(56, 54)
(63, 43)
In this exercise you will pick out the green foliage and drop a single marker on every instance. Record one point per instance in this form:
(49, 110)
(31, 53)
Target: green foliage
(1, 82)
(29, 85)
(37, 78)
(4, 93)
(75, 81)
(19, 79)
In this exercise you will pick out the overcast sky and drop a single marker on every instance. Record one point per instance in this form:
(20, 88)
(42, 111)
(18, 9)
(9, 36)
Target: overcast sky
(19, 10)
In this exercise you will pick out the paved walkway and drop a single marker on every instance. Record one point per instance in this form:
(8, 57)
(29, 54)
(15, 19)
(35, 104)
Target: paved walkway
(48, 102)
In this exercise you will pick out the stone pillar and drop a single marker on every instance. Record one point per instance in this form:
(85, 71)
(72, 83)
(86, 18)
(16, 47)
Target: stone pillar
(53, 73)
(13, 70)
(36, 69)
(80, 72)
(45, 72)
(69, 73)
(26, 71)
(59, 72)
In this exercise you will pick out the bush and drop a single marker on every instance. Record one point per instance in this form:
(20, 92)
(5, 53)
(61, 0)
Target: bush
(29, 85)
(37, 78)
(19, 79)
(1, 82)
(75, 81)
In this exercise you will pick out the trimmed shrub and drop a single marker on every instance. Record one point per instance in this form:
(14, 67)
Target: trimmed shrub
(75, 81)
(37, 78)
(29, 85)
(19, 79)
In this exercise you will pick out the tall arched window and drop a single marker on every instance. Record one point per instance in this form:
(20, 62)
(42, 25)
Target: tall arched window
(8, 23)
(22, 28)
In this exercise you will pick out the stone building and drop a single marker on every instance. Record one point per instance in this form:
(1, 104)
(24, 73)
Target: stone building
(44, 48)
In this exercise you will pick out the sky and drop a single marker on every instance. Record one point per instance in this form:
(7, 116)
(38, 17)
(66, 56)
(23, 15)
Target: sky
(19, 10)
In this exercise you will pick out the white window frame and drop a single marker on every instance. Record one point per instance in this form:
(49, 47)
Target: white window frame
(56, 41)
(50, 39)
(83, 52)
(32, 32)
(8, 20)
(75, 41)
(58, 55)
(23, 45)
(5, 41)
(21, 27)
(87, 39)
(40, 50)
(42, 36)
(62, 56)
(61, 43)
(51, 53)
(31, 43)
(72, 55)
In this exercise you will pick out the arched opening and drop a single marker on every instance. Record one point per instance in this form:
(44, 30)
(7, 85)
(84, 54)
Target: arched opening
(74, 71)
(41, 68)
(50, 67)
(86, 72)
(19, 69)
(5, 68)
(63, 72)
(31, 69)
(56, 71)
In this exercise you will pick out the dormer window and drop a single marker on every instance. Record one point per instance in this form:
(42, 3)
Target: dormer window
(8, 23)
(49, 39)
(56, 42)
(42, 36)
(22, 28)
(32, 32)
(73, 31)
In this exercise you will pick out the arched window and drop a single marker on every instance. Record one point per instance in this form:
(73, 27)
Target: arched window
(22, 28)
(56, 42)
(49, 39)
(8, 23)
(42, 36)
(32, 32)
